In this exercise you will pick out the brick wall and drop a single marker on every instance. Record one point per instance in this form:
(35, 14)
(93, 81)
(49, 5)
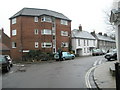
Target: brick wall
(26, 38)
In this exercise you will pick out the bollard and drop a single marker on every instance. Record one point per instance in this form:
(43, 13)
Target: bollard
(117, 74)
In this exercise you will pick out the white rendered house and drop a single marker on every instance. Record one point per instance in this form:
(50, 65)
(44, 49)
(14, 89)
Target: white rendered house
(82, 42)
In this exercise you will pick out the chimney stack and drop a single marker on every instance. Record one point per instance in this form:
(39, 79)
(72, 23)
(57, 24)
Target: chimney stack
(105, 34)
(100, 33)
(80, 27)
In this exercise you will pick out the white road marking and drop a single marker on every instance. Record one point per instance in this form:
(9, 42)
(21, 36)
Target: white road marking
(100, 62)
(96, 63)
(87, 77)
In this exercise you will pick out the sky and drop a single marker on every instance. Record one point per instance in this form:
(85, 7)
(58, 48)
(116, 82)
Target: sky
(89, 13)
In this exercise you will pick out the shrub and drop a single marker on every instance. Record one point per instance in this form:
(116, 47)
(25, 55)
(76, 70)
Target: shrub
(37, 55)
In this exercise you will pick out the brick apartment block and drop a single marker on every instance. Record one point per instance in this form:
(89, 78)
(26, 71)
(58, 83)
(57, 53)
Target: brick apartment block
(39, 29)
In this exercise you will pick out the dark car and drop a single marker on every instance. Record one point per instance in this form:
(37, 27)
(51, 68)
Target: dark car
(111, 55)
(9, 59)
(4, 64)
(96, 52)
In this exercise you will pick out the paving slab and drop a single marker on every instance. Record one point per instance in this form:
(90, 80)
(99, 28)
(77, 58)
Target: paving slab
(103, 77)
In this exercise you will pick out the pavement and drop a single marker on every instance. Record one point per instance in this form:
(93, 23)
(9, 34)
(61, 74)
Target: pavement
(103, 77)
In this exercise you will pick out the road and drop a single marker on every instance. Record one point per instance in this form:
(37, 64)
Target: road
(61, 74)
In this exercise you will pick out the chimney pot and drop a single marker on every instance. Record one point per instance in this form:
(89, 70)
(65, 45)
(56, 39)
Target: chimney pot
(80, 27)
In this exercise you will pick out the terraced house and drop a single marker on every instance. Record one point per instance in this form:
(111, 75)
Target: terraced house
(103, 41)
(39, 29)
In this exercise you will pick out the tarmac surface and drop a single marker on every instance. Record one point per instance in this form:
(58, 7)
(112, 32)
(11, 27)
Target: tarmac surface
(103, 77)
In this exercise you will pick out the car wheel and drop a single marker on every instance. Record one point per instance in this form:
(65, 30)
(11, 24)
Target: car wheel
(72, 57)
(108, 59)
(11, 65)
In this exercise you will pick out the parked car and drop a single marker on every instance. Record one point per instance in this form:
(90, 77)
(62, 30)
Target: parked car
(4, 63)
(9, 59)
(65, 55)
(96, 52)
(111, 55)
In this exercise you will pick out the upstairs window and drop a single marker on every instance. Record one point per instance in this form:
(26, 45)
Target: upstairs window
(79, 42)
(64, 33)
(14, 45)
(46, 32)
(36, 44)
(35, 19)
(64, 22)
(14, 21)
(36, 31)
(46, 19)
(64, 44)
(46, 45)
(14, 32)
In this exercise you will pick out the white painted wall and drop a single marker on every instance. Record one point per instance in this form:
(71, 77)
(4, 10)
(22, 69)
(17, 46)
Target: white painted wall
(85, 48)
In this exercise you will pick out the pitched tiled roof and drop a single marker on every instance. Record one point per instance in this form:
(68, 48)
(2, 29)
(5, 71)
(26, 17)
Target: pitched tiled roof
(81, 34)
(39, 12)
(104, 38)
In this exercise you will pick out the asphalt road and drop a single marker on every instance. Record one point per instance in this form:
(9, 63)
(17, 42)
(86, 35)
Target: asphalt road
(61, 74)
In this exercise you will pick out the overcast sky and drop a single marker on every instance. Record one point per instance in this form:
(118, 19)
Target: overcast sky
(88, 13)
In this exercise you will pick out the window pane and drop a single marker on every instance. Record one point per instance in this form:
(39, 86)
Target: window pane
(64, 22)
(14, 45)
(46, 19)
(36, 31)
(64, 33)
(36, 44)
(46, 32)
(14, 32)
(35, 19)
(46, 45)
(14, 21)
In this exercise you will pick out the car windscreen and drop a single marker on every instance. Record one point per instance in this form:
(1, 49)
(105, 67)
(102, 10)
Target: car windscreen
(2, 60)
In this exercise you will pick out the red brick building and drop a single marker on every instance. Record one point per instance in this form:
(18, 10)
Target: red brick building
(39, 29)
(4, 43)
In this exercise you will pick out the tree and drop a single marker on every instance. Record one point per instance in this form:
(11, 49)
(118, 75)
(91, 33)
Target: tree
(110, 27)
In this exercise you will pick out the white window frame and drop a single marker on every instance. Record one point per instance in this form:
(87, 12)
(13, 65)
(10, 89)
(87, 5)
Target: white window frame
(35, 19)
(14, 21)
(64, 44)
(46, 32)
(14, 32)
(14, 45)
(36, 31)
(64, 33)
(36, 44)
(46, 19)
(64, 22)
(46, 45)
